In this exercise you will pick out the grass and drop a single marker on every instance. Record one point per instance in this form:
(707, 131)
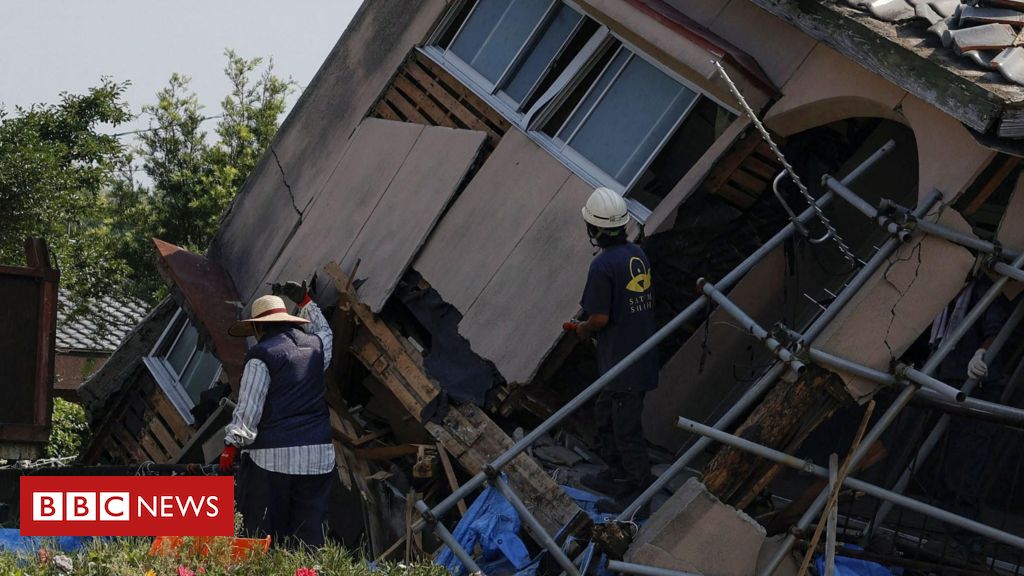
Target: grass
(130, 557)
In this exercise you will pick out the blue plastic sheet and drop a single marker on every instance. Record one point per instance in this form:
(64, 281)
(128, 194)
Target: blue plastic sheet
(855, 567)
(493, 524)
(11, 540)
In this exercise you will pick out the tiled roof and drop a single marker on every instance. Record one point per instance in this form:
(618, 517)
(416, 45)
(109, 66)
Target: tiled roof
(985, 35)
(101, 327)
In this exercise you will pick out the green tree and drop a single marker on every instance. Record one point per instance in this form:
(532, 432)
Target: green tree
(69, 430)
(55, 164)
(193, 180)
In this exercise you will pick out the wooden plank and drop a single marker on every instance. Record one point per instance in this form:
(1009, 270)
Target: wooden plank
(406, 108)
(384, 110)
(765, 170)
(986, 191)
(484, 442)
(385, 453)
(449, 472)
(747, 182)
(454, 107)
(162, 435)
(481, 108)
(182, 432)
(732, 160)
(152, 449)
(736, 196)
(415, 198)
(421, 99)
(130, 445)
(381, 352)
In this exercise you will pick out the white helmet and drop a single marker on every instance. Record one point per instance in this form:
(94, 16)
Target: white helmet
(606, 209)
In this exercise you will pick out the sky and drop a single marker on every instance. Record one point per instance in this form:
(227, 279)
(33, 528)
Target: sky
(51, 46)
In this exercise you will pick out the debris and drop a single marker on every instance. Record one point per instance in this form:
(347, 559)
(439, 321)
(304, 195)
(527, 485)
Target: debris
(694, 532)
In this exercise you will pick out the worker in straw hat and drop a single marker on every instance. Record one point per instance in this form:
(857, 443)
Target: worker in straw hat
(281, 423)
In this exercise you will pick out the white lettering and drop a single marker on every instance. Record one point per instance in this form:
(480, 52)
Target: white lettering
(144, 504)
(213, 511)
(47, 506)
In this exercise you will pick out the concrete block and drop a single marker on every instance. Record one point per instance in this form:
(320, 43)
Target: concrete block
(694, 532)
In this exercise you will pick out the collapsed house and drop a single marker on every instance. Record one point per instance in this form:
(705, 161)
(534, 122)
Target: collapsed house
(428, 184)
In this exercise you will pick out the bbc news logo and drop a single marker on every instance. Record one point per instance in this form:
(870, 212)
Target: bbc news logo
(127, 506)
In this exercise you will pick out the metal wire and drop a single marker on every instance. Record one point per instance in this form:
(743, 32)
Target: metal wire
(831, 230)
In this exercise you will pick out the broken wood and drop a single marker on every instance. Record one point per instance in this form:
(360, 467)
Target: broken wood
(833, 496)
(783, 420)
(449, 472)
(385, 453)
(466, 431)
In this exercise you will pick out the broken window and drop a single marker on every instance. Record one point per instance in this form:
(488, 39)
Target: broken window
(601, 107)
(182, 365)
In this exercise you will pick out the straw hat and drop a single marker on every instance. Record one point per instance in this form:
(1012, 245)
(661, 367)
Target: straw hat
(265, 309)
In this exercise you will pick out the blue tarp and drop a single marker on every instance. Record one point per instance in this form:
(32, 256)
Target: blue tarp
(854, 567)
(11, 540)
(493, 524)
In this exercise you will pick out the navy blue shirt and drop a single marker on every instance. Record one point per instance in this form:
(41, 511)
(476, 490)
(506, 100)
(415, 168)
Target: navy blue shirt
(619, 285)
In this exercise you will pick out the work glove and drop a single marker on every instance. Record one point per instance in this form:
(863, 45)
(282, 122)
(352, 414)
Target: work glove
(227, 457)
(977, 368)
(292, 290)
(570, 326)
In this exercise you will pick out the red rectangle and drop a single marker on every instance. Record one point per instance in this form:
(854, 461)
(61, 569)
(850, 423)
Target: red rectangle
(127, 506)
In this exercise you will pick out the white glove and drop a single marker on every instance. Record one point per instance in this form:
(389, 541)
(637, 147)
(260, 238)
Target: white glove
(977, 368)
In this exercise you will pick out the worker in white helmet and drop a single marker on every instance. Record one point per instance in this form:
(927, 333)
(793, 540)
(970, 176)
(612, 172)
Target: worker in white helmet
(618, 307)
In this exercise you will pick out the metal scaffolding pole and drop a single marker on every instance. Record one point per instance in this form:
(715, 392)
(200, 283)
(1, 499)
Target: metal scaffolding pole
(538, 531)
(430, 516)
(751, 326)
(867, 488)
(891, 226)
(754, 393)
(940, 427)
(643, 570)
(945, 347)
(448, 539)
(941, 389)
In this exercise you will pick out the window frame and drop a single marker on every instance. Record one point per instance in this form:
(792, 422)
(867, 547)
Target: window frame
(165, 375)
(531, 121)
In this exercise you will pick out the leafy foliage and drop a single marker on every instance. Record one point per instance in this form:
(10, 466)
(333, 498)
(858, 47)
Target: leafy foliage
(70, 429)
(130, 557)
(98, 201)
(55, 164)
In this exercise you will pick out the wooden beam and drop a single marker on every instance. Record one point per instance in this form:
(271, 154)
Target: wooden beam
(466, 431)
(385, 453)
(993, 183)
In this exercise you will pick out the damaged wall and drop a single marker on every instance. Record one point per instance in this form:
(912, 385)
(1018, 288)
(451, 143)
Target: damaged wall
(306, 149)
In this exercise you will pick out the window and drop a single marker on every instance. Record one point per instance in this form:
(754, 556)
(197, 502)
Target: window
(615, 118)
(182, 365)
(511, 49)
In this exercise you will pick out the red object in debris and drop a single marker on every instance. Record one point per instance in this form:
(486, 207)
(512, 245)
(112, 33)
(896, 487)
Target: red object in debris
(241, 548)
(570, 326)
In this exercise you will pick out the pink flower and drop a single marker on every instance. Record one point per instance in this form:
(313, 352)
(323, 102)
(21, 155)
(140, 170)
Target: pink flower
(183, 571)
(304, 571)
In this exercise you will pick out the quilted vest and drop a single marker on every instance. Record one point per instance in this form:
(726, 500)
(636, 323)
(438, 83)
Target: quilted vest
(295, 410)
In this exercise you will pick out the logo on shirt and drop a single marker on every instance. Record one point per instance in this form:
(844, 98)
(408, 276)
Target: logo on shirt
(640, 277)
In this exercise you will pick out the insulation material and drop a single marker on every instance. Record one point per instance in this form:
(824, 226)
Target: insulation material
(519, 315)
(1011, 233)
(898, 304)
(387, 192)
(491, 215)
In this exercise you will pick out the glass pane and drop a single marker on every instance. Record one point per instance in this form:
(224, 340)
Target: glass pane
(694, 136)
(178, 355)
(494, 33)
(199, 374)
(588, 101)
(537, 58)
(628, 124)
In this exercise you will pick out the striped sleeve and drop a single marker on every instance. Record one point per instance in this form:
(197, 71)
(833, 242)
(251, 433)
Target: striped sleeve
(318, 325)
(251, 395)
